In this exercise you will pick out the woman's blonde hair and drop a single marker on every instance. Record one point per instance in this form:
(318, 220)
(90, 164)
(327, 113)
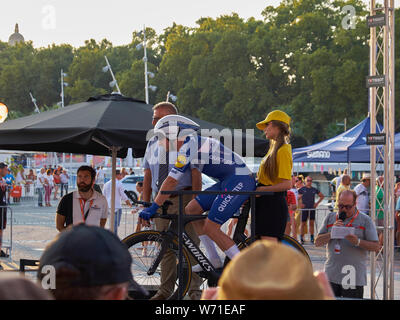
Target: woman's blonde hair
(270, 166)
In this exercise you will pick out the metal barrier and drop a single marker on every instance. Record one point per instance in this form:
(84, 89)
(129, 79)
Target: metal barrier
(180, 194)
(6, 230)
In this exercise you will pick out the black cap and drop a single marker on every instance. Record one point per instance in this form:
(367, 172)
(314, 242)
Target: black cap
(97, 257)
(2, 165)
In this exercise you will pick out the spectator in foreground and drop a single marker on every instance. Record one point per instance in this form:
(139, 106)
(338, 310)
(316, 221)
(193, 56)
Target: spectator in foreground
(349, 253)
(14, 287)
(90, 263)
(277, 272)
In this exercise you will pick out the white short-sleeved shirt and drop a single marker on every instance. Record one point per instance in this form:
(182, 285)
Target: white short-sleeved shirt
(119, 194)
(362, 198)
(96, 205)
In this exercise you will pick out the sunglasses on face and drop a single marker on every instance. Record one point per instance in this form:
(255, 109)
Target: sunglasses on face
(347, 206)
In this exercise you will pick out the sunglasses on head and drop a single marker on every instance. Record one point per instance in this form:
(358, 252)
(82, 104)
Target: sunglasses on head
(347, 206)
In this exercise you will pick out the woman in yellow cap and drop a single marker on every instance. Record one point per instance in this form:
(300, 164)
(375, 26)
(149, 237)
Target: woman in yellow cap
(274, 175)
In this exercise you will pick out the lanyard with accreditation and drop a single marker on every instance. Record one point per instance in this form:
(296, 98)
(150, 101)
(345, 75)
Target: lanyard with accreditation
(82, 202)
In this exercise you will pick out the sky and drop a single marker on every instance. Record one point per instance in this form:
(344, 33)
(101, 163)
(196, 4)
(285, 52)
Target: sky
(74, 21)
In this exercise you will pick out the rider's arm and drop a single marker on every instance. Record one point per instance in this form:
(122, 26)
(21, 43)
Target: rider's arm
(169, 184)
(147, 185)
(196, 180)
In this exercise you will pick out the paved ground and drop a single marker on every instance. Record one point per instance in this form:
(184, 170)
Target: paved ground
(34, 227)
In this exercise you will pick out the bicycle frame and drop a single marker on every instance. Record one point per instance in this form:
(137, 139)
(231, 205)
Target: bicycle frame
(188, 243)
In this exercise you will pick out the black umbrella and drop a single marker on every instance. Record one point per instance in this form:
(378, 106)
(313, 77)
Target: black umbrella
(104, 125)
(94, 126)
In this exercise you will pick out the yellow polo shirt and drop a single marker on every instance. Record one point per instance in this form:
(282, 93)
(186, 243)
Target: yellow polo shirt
(285, 165)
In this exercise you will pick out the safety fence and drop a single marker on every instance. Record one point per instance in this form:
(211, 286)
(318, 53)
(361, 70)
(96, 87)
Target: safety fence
(6, 225)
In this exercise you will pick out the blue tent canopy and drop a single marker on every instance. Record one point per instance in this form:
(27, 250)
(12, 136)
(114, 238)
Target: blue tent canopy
(342, 148)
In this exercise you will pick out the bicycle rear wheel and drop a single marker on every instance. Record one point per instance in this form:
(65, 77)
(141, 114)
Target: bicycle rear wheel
(144, 247)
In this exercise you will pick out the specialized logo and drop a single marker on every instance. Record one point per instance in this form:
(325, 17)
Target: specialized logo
(318, 154)
(196, 253)
(181, 161)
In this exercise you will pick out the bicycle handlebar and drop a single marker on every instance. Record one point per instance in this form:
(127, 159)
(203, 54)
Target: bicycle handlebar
(164, 207)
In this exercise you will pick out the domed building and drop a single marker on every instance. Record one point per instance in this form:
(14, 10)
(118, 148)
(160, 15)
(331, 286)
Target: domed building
(16, 37)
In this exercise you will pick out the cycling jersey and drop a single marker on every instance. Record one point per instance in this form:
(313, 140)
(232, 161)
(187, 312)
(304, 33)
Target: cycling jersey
(211, 157)
(217, 161)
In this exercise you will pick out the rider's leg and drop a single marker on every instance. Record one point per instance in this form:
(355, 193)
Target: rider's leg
(213, 230)
(194, 208)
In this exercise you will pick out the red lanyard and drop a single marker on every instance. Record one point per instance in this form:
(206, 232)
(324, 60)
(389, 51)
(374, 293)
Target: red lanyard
(82, 202)
(350, 224)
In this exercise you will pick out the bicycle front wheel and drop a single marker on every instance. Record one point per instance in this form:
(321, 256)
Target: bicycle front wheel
(144, 247)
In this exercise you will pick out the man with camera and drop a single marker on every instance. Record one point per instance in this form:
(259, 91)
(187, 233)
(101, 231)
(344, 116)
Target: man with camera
(349, 235)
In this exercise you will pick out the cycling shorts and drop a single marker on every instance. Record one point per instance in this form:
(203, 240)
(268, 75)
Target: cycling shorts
(223, 207)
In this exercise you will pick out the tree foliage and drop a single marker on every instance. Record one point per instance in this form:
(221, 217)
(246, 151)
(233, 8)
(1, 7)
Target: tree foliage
(227, 70)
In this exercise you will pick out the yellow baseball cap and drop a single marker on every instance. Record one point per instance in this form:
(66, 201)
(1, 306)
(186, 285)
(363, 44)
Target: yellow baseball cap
(274, 115)
(269, 271)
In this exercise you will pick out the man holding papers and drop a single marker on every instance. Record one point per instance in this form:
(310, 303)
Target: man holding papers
(349, 235)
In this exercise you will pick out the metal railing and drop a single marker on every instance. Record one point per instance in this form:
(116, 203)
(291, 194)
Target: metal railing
(6, 226)
(180, 194)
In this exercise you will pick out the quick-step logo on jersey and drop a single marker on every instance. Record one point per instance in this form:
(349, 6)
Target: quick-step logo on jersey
(229, 197)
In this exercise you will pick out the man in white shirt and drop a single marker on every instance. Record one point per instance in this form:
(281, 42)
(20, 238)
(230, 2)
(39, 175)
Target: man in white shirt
(119, 196)
(84, 205)
(362, 193)
(40, 187)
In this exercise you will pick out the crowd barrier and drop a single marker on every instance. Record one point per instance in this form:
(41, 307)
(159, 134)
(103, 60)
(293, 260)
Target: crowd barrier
(6, 229)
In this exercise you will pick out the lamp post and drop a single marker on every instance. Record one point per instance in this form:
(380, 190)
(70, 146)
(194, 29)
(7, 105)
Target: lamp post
(34, 102)
(146, 73)
(171, 96)
(344, 124)
(114, 82)
(63, 84)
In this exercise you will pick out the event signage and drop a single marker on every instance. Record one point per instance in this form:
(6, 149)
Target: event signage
(376, 139)
(378, 20)
(376, 81)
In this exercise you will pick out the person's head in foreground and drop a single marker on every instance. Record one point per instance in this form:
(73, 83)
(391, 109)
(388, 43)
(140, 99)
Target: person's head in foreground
(271, 271)
(16, 287)
(90, 263)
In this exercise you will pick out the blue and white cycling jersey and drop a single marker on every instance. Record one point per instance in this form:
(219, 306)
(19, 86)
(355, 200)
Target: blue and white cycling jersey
(217, 161)
(211, 157)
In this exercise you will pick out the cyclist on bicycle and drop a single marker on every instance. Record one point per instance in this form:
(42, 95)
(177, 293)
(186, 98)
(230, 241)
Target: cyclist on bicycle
(215, 160)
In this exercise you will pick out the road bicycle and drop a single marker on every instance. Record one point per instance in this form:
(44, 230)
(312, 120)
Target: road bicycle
(146, 267)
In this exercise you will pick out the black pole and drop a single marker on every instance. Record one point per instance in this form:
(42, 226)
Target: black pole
(180, 247)
(253, 217)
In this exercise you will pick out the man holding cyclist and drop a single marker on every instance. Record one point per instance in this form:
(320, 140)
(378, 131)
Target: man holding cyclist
(214, 160)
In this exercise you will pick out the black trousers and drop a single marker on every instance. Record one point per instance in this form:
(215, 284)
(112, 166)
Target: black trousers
(339, 291)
